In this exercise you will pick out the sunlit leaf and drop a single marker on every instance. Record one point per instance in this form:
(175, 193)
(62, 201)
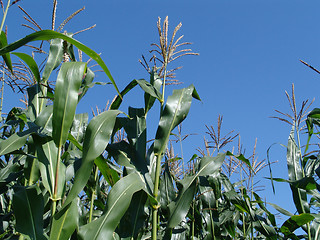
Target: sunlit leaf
(66, 99)
(117, 203)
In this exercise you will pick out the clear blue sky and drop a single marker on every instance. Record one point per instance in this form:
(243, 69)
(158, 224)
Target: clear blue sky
(249, 55)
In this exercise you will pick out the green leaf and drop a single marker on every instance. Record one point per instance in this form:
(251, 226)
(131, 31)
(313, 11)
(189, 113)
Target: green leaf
(66, 99)
(306, 183)
(44, 120)
(96, 139)
(54, 58)
(133, 221)
(9, 172)
(146, 86)
(180, 206)
(118, 202)
(16, 141)
(86, 83)
(294, 222)
(296, 173)
(167, 191)
(6, 57)
(31, 64)
(109, 174)
(79, 125)
(281, 210)
(31, 166)
(175, 111)
(262, 206)
(156, 82)
(28, 207)
(48, 35)
(65, 221)
(47, 153)
(34, 101)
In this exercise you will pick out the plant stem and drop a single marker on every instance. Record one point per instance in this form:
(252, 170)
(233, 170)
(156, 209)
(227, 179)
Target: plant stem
(155, 194)
(2, 90)
(55, 191)
(4, 15)
(93, 195)
(158, 166)
(192, 225)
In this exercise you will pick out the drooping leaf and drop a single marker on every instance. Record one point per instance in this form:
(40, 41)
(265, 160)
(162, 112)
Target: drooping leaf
(96, 139)
(31, 64)
(54, 58)
(118, 202)
(66, 99)
(306, 183)
(281, 210)
(48, 35)
(86, 83)
(28, 207)
(109, 174)
(146, 86)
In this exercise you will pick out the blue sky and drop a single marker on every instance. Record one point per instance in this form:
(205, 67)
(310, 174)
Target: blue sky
(249, 55)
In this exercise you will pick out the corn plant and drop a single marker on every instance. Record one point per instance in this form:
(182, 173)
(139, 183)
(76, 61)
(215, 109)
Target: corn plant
(65, 177)
(302, 173)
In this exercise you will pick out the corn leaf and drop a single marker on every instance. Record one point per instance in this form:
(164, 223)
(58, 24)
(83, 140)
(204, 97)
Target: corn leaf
(118, 202)
(48, 35)
(66, 99)
(6, 57)
(65, 221)
(96, 139)
(31, 64)
(175, 111)
(28, 207)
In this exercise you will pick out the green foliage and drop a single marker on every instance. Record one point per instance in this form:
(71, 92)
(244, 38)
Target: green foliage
(63, 176)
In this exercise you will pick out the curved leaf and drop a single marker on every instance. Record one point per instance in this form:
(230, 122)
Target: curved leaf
(175, 111)
(31, 64)
(294, 222)
(96, 139)
(54, 59)
(48, 35)
(118, 202)
(66, 99)
(16, 141)
(86, 82)
(180, 206)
